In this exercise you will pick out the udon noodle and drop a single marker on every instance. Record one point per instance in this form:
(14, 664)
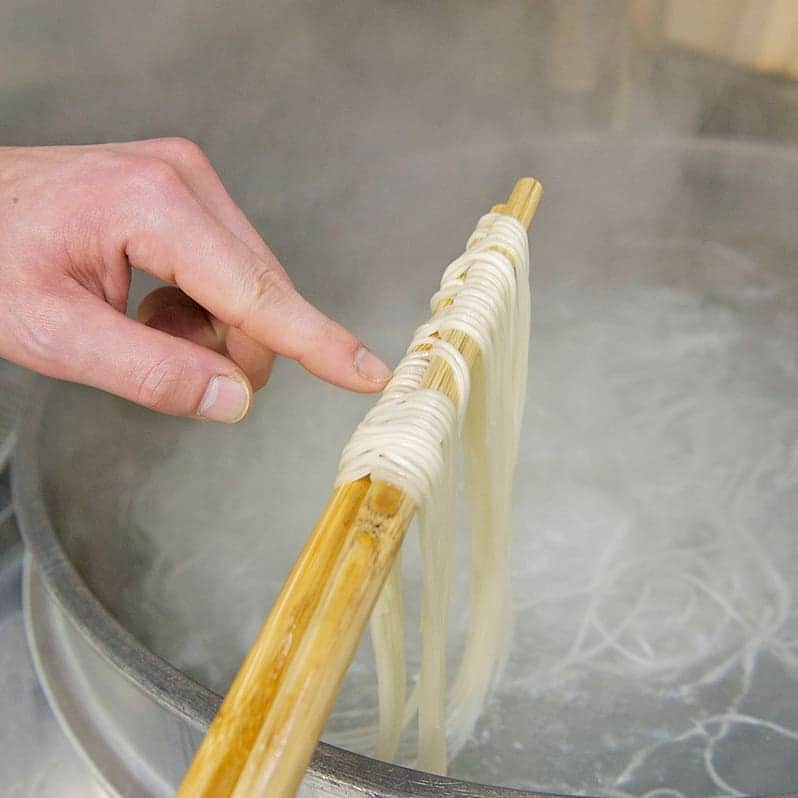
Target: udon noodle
(409, 439)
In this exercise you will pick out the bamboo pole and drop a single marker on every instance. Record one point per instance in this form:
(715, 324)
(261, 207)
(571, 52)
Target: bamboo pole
(228, 741)
(264, 735)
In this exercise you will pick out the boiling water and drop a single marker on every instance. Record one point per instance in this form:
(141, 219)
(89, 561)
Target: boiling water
(655, 641)
(656, 631)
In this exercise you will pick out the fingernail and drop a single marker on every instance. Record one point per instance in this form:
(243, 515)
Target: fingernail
(370, 367)
(226, 399)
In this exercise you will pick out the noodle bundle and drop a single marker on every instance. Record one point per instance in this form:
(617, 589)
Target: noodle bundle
(410, 438)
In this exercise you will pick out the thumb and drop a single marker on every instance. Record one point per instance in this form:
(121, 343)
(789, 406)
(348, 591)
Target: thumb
(170, 310)
(96, 345)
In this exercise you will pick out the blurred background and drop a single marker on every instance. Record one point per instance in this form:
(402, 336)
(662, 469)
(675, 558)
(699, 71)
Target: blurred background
(356, 81)
(295, 101)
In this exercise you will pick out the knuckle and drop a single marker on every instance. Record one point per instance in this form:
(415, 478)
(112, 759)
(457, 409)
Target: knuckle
(162, 385)
(262, 289)
(183, 150)
(268, 287)
(153, 176)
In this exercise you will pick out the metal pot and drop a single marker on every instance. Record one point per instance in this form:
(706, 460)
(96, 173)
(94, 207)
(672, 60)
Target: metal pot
(81, 455)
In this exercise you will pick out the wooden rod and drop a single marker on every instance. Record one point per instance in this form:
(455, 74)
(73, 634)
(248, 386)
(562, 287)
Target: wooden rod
(264, 735)
(296, 720)
(230, 737)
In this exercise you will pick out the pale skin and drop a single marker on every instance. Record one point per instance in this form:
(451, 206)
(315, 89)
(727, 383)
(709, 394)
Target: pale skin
(74, 221)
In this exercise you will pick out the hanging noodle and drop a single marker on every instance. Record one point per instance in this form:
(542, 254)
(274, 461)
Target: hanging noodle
(409, 439)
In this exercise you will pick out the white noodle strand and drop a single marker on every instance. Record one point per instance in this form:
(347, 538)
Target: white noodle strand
(408, 439)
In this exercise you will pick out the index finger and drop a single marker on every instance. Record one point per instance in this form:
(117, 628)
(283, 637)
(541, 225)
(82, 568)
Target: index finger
(177, 240)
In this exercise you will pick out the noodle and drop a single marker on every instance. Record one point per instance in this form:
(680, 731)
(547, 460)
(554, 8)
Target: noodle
(409, 439)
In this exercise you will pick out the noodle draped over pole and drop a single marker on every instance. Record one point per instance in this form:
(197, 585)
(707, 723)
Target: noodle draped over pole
(408, 439)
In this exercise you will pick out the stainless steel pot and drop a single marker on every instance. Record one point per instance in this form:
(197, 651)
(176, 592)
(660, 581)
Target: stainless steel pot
(80, 454)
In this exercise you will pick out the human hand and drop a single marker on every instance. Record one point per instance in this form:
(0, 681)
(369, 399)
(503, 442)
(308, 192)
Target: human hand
(74, 220)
